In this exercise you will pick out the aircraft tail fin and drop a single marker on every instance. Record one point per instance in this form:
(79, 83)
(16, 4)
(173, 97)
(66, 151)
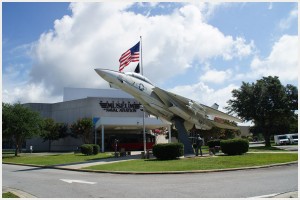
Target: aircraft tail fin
(215, 106)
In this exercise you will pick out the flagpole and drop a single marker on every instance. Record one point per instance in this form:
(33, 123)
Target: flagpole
(141, 61)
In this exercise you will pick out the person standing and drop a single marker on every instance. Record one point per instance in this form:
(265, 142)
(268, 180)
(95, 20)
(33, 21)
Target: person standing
(199, 143)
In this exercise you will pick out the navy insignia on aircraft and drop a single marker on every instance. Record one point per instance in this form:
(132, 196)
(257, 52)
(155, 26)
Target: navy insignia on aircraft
(141, 87)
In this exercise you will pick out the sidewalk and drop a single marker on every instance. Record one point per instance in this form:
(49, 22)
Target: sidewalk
(17, 192)
(23, 194)
(136, 155)
(287, 195)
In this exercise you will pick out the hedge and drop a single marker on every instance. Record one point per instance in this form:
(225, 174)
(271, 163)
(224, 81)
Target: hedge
(168, 151)
(89, 149)
(96, 149)
(234, 146)
(213, 143)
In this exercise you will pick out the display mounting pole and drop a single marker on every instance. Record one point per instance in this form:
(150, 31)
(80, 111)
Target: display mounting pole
(141, 60)
(144, 131)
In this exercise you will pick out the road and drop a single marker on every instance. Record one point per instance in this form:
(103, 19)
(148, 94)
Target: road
(49, 183)
(288, 147)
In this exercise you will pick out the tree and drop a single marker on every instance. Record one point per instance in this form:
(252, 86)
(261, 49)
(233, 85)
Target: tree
(83, 128)
(294, 124)
(20, 123)
(267, 103)
(220, 133)
(53, 131)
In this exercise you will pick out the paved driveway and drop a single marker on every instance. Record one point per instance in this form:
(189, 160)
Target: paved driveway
(288, 147)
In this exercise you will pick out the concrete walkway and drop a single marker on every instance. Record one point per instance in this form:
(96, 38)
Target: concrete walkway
(17, 192)
(23, 194)
(100, 161)
(287, 195)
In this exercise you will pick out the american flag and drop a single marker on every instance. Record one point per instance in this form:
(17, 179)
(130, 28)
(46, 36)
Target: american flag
(131, 55)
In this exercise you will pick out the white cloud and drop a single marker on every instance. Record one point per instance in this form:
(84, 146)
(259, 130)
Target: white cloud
(215, 76)
(270, 7)
(30, 93)
(282, 61)
(287, 22)
(240, 49)
(96, 34)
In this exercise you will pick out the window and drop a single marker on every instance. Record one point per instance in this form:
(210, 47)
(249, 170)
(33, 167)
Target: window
(282, 137)
(295, 136)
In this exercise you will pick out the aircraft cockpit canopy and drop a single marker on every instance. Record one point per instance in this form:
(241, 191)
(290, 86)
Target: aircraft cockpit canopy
(139, 76)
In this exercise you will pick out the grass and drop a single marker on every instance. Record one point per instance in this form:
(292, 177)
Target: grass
(207, 163)
(55, 159)
(9, 195)
(218, 162)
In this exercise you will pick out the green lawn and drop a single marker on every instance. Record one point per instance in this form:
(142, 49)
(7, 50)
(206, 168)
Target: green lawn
(206, 163)
(9, 195)
(53, 159)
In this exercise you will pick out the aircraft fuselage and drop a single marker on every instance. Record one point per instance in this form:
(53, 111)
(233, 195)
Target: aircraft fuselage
(161, 106)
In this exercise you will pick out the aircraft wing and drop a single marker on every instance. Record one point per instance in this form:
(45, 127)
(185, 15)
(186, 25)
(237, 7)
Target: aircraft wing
(217, 113)
(165, 96)
(223, 126)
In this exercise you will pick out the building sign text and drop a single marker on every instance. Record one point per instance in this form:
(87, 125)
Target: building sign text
(119, 107)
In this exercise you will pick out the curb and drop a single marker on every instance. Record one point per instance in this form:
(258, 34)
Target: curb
(19, 193)
(287, 195)
(161, 172)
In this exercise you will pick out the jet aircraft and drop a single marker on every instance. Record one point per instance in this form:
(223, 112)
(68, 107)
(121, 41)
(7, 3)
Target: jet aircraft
(184, 112)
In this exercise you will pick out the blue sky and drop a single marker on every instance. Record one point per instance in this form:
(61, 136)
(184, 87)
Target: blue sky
(201, 50)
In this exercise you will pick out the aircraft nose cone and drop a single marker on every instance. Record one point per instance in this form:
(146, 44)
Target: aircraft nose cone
(101, 72)
(108, 75)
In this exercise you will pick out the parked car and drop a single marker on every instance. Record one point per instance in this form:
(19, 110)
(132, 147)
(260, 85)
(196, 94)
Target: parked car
(281, 139)
(293, 138)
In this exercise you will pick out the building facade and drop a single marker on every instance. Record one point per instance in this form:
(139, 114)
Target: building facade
(114, 113)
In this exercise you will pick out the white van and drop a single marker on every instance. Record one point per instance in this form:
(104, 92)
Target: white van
(293, 138)
(281, 139)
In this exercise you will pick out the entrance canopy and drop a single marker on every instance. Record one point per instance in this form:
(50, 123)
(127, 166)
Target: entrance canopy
(119, 123)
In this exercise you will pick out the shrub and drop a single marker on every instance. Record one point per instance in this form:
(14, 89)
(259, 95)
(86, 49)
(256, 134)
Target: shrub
(249, 138)
(96, 149)
(89, 149)
(168, 151)
(213, 143)
(86, 149)
(234, 146)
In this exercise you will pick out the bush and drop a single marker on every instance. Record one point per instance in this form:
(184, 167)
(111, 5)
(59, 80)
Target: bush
(249, 138)
(234, 146)
(168, 151)
(86, 149)
(96, 149)
(213, 143)
(89, 149)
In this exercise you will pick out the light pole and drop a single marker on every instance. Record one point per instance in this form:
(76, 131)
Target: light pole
(144, 132)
